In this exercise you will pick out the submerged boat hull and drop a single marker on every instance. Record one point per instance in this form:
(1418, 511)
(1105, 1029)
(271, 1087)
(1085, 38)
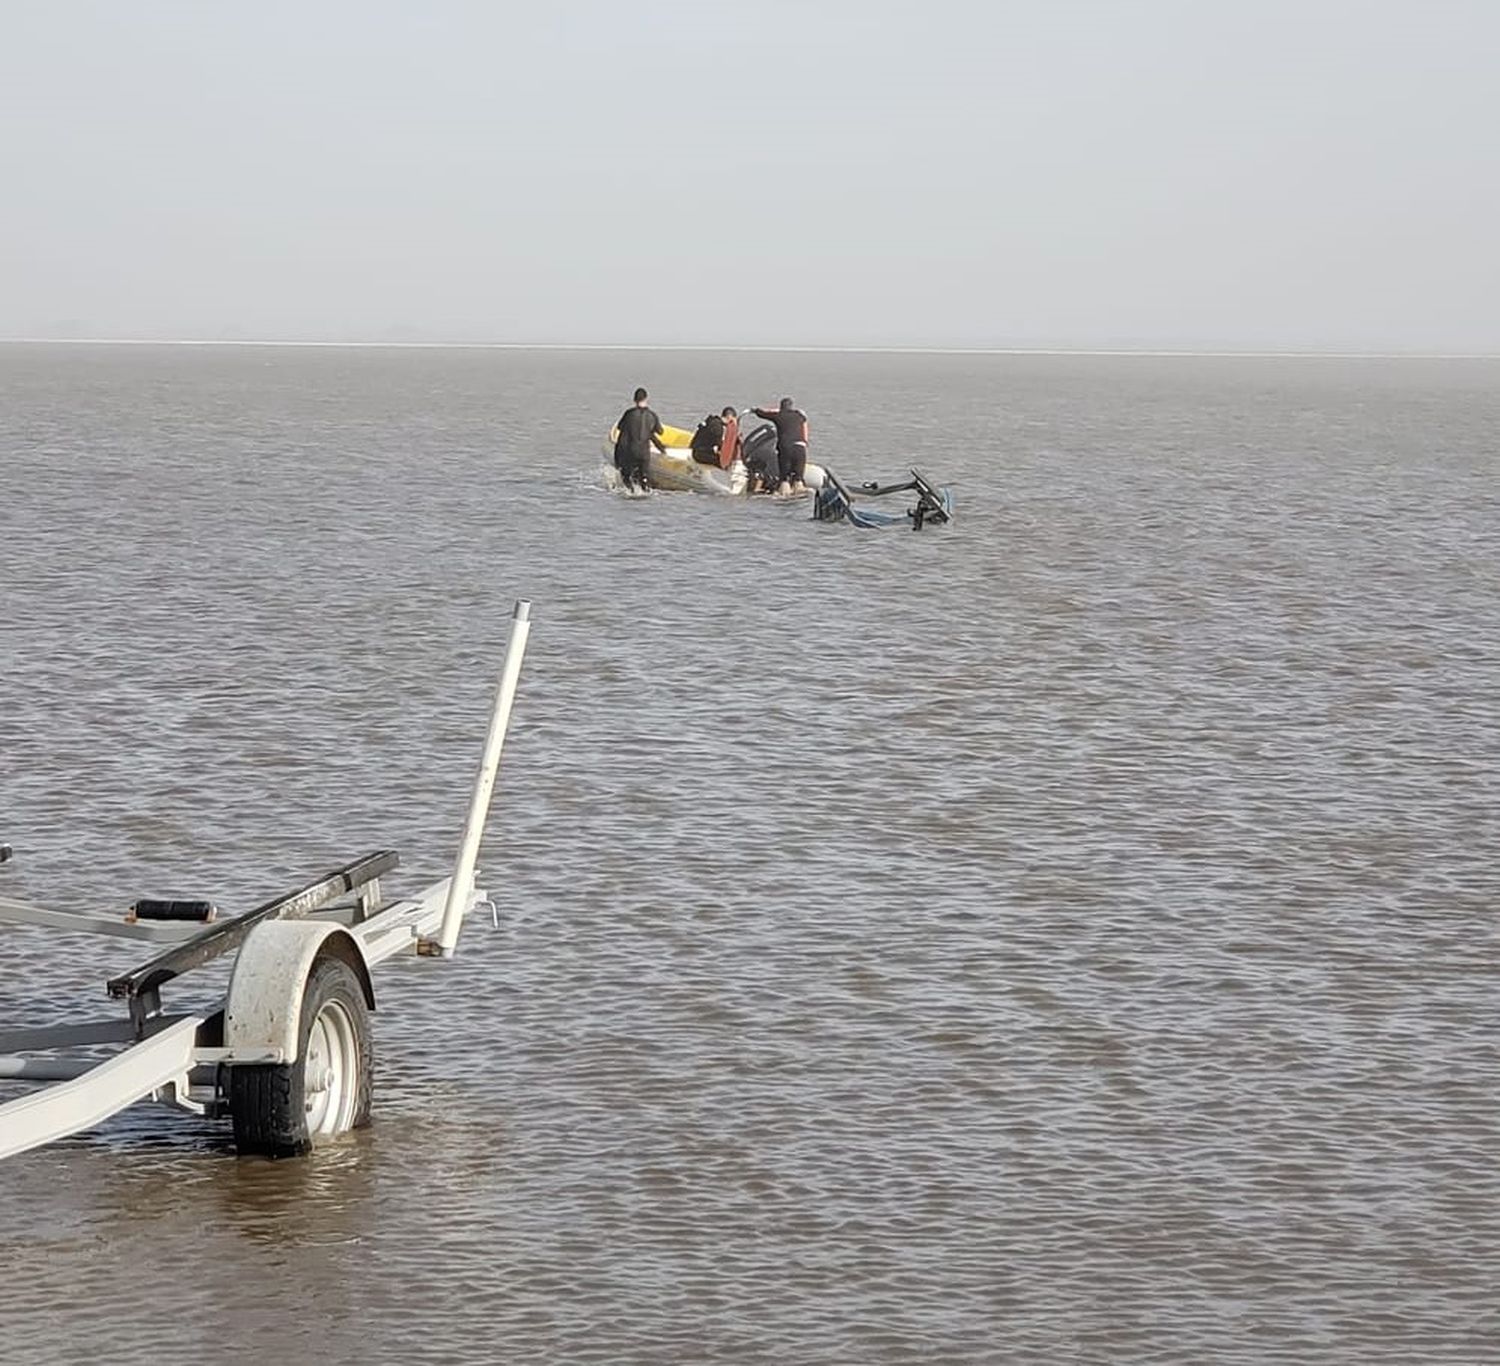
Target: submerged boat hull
(837, 503)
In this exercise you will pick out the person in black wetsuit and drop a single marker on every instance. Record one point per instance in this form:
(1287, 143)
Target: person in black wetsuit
(640, 430)
(707, 440)
(791, 440)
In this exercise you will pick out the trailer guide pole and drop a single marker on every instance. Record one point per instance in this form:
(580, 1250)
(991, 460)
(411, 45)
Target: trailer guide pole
(462, 886)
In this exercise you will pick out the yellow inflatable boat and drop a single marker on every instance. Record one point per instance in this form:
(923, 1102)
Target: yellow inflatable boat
(678, 472)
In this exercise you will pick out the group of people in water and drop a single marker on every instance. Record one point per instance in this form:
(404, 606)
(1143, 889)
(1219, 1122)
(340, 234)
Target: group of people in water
(771, 468)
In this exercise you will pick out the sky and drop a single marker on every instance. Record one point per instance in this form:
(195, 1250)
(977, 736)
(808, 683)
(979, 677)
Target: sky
(1200, 174)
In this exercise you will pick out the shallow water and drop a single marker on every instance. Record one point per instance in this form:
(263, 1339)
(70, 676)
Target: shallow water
(1065, 936)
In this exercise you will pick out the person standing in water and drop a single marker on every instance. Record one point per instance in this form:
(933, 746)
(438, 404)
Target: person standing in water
(791, 440)
(640, 430)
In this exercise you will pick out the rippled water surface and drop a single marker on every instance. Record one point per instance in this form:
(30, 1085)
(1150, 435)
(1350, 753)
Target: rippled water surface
(1068, 936)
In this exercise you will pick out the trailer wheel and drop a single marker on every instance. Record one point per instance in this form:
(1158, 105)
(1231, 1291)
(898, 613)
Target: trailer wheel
(282, 1109)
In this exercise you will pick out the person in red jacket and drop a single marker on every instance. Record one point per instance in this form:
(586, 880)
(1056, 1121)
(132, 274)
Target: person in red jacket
(729, 447)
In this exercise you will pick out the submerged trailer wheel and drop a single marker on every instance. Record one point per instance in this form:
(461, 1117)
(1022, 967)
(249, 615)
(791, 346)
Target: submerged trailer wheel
(282, 1109)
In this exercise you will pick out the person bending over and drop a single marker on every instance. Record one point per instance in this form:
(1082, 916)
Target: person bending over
(707, 440)
(717, 440)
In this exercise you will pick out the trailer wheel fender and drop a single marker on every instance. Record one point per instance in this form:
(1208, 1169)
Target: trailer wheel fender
(264, 1010)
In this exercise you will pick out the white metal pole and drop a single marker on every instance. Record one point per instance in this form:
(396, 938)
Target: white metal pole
(461, 889)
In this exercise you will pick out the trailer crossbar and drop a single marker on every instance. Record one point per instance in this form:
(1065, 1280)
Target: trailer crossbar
(226, 935)
(81, 1035)
(89, 1099)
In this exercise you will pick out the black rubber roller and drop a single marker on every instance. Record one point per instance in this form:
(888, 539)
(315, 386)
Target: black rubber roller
(149, 908)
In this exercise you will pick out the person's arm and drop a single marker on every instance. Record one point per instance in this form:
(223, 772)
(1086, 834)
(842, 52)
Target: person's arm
(656, 433)
(766, 413)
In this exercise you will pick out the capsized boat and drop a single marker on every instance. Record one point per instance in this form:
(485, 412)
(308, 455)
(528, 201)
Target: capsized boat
(677, 471)
(835, 502)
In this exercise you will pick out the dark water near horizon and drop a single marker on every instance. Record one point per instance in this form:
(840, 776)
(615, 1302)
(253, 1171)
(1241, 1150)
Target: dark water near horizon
(1068, 936)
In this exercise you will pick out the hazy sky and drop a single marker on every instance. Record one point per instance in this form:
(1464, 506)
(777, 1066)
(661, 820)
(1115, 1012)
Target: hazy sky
(1244, 173)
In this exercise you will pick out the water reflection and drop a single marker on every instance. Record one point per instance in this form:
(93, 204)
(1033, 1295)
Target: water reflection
(331, 1197)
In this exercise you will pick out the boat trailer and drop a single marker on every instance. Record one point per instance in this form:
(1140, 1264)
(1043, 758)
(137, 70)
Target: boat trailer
(836, 502)
(286, 1054)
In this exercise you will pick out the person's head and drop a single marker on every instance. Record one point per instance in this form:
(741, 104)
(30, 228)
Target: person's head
(786, 405)
(640, 397)
(728, 413)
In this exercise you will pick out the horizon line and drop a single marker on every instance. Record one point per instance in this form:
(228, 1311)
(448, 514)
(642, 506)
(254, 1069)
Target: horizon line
(1169, 353)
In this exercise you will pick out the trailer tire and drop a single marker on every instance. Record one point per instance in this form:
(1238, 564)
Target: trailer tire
(282, 1109)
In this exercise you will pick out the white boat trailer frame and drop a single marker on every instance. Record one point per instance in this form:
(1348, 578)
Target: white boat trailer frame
(286, 1053)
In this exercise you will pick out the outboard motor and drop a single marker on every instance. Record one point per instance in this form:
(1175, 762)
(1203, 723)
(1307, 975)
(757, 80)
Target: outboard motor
(758, 451)
(763, 438)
